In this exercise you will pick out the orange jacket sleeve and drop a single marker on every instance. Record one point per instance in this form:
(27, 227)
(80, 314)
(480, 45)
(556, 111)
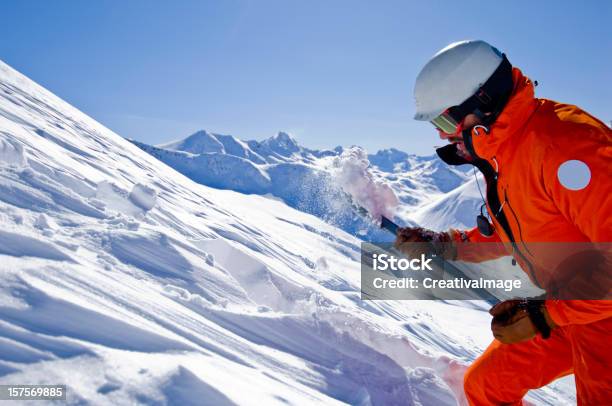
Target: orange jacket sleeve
(472, 246)
(587, 203)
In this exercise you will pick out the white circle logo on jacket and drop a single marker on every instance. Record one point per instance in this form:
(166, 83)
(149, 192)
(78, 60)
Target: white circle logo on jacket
(574, 174)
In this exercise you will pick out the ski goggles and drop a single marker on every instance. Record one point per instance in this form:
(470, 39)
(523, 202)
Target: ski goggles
(447, 123)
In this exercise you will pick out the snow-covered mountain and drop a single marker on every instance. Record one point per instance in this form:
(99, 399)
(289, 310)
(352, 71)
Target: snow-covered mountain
(304, 178)
(458, 208)
(132, 284)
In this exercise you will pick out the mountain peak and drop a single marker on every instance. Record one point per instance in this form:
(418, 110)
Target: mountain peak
(200, 133)
(285, 138)
(199, 142)
(282, 143)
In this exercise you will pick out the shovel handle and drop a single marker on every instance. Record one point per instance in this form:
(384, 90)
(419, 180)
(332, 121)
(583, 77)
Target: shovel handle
(389, 225)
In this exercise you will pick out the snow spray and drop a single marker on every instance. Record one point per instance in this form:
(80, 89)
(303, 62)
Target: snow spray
(353, 175)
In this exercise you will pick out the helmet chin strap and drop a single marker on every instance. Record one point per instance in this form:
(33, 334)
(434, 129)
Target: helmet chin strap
(467, 141)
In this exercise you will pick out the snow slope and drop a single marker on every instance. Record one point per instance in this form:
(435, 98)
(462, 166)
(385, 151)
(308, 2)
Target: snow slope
(305, 178)
(133, 284)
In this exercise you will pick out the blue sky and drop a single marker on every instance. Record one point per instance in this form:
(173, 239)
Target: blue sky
(330, 72)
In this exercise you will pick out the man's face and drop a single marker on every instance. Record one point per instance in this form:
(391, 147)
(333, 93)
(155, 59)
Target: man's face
(469, 121)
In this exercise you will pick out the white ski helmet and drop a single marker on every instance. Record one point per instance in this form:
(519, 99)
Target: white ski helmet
(453, 75)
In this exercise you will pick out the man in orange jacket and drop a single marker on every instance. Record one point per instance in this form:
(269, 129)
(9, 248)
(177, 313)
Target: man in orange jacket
(547, 171)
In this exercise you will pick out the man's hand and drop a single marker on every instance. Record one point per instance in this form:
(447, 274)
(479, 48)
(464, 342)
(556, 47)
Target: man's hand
(511, 323)
(414, 241)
